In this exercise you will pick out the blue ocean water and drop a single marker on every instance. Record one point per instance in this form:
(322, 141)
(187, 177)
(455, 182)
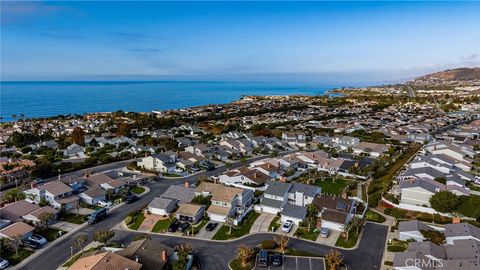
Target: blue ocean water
(41, 99)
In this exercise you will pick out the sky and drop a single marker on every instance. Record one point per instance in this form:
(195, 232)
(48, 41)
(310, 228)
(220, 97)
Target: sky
(316, 41)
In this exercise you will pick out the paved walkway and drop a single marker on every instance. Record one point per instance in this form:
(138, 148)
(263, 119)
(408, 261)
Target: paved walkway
(262, 223)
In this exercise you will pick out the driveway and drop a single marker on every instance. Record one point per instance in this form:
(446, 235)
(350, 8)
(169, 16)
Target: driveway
(262, 223)
(297, 263)
(204, 234)
(64, 226)
(330, 240)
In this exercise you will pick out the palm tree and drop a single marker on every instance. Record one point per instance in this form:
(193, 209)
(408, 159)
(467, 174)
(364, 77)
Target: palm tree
(229, 222)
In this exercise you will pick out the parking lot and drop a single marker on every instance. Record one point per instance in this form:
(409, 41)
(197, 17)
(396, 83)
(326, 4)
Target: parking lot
(297, 263)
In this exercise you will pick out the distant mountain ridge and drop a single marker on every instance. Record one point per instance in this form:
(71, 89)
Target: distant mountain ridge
(451, 75)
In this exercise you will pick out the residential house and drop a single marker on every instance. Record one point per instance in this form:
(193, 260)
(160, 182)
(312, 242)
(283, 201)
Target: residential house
(372, 149)
(105, 260)
(162, 206)
(92, 196)
(334, 212)
(158, 163)
(412, 229)
(74, 151)
(152, 254)
(274, 198)
(419, 190)
(244, 176)
(302, 194)
(17, 229)
(226, 201)
(461, 231)
(190, 212)
(55, 193)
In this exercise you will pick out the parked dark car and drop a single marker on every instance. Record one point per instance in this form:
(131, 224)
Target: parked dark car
(32, 244)
(174, 226)
(277, 259)
(211, 226)
(263, 258)
(184, 227)
(98, 215)
(131, 198)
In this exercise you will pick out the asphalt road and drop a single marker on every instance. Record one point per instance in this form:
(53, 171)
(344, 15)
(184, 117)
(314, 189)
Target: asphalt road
(212, 255)
(58, 254)
(216, 255)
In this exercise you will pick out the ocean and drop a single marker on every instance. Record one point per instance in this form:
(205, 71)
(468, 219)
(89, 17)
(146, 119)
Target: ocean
(43, 99)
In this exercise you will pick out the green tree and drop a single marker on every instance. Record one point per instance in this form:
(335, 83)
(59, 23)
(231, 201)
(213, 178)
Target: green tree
(103, 236)
(14, 243)
(78, 136)
(44, 219)
(79, 240)
(444, 201)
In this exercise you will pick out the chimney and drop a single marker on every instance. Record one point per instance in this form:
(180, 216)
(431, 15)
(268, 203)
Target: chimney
(456, 220)
(164, 255)
(136, 258)
(87, 174)
(186, 184)
(255, 175)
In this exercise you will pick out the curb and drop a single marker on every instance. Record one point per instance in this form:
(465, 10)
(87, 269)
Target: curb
(122, 225)
(64, 236)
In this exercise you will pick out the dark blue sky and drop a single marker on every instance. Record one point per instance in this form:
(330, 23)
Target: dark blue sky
(330, 41)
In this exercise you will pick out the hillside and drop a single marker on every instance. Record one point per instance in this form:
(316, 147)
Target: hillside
(451, 75)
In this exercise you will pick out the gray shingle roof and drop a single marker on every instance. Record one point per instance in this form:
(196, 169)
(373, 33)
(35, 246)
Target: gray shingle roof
(272, 203)
(161, 203)
(277, 188)
(413, 225)
(462, 229)
(430, 185)
(179, 193)
(307, 190)
(294, 211)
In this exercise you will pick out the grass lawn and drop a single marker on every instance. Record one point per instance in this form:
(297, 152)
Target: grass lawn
(13, 259)
(375, 217)
(73, 218)
(137, 221)
(137, 190)
(235, 265)
(330, 187)
(310, 235)
(50, 234)
(474, 187)
(161, 225)
(274, 224)
(352, 240)
(199, 226)
(241, 230)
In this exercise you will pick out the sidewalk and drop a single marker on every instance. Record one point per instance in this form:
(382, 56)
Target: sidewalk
(70, 233)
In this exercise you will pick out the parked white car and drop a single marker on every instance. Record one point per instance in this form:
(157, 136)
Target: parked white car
(105, 203)
(287, 226)
(4, 263)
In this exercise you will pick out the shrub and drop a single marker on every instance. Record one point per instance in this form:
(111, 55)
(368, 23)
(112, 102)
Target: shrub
(396, 248)
(268, 244)
(128, 220)
(373, 199)
(132, 214)
(388, 211)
